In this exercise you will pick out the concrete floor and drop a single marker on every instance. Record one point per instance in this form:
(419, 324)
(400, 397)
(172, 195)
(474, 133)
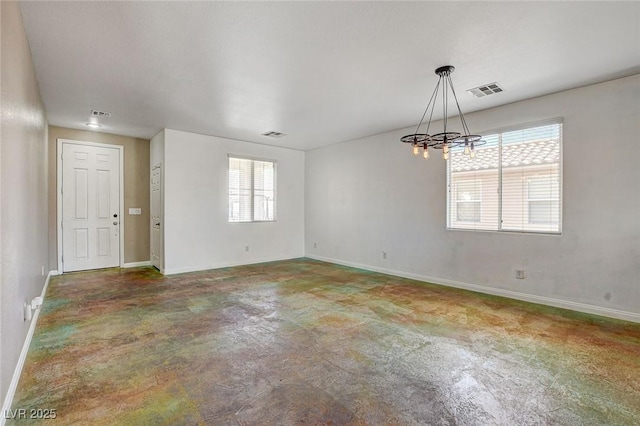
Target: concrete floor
(306, 342)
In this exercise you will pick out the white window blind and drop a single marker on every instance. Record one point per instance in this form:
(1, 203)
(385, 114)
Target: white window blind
(543, 192)
(517, 182)
(468, 200)
(252, 190)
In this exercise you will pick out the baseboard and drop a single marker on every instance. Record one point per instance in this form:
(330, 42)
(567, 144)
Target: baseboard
(172, 271)
(543, 300)
(137, 264)
(8, 400)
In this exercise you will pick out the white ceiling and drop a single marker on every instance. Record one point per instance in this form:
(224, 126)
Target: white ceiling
(320, 72)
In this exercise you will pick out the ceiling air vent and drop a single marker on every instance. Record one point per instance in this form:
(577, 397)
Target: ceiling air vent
(100, 114)
(486, 90)
(273, 134)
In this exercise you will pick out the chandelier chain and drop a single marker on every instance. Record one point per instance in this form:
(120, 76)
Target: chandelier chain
(444, 106)
(427, 109)
(464, 122)
(433, 106)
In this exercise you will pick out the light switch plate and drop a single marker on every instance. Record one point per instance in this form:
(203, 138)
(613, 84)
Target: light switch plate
(135, 210)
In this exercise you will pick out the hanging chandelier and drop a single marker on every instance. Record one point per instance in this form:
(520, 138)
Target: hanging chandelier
(445, 140)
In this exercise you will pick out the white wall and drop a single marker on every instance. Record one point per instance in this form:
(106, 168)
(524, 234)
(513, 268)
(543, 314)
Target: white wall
(197, 232)
(371, 195)
(23, 193)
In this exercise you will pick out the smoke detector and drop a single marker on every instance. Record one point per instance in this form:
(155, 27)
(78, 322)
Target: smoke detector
(100, 114)
(486, 90)
(272, 134)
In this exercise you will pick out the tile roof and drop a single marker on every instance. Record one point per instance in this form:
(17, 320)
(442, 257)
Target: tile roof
(517, 154)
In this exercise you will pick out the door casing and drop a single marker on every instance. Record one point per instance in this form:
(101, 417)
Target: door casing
(156, 214)
(60, 141)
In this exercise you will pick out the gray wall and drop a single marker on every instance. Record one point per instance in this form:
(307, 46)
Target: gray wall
(23, 193)
(371, 195)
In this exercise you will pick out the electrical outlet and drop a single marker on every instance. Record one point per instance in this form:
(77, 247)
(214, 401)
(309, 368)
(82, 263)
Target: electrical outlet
(520, 274)
(384, 254)
(135, 211)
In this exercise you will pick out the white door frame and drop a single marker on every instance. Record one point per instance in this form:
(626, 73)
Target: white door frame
(120, 148)
(160, 214)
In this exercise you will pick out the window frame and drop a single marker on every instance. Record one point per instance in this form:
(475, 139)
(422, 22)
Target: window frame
(500, 131)
(253, 189)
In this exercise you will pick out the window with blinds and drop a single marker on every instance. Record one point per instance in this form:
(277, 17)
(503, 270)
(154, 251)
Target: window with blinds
(252, 190)
(513, 184)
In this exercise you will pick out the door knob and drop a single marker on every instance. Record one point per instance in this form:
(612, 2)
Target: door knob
(115, 223)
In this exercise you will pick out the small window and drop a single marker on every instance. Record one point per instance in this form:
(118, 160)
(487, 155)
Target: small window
(252, 190)
(543, 196)
(468, 201)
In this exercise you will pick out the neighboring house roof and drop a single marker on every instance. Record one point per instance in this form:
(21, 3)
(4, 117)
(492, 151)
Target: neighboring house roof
(517, 154)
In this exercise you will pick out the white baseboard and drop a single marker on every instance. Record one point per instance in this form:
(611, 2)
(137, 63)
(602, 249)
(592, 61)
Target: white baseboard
(11, 391)
(137, 264)
(172, 271)
(543, 300)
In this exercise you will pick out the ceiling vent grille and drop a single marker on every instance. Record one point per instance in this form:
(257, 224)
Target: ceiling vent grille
(100, 114)
(486, 90)
(273, 134)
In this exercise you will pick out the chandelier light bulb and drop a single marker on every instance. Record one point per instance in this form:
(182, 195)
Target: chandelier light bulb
(445, 155)
(425, 153)
(445, 149)
(473, 154)
(416, 149)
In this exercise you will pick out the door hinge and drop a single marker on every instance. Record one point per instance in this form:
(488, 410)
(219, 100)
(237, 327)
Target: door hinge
(62, 156)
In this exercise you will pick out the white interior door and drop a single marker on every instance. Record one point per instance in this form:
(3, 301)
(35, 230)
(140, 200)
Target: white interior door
(156, 217)
(90, 207)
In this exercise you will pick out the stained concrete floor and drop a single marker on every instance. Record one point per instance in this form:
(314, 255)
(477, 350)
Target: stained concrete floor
(306, 342)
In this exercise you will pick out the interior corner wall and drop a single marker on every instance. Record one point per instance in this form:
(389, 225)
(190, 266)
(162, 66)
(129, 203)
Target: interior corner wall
(136, 189)
(371, 195)
(23, 190)
(196, 229)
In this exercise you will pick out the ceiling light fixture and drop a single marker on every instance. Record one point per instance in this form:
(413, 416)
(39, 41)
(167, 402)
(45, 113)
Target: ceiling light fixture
(94, 125)
(445, 140)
